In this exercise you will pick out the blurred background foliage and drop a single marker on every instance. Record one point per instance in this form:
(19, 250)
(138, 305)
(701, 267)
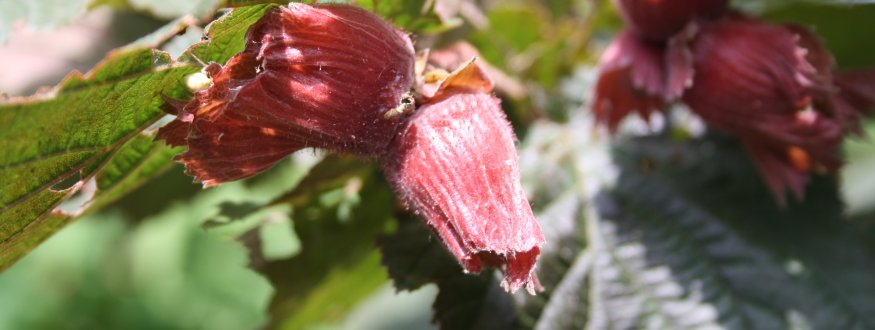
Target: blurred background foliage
(673, 230)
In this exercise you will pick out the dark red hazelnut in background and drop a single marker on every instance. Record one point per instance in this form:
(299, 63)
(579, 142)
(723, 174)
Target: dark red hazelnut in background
(631, 80)
(772, 87)
(311, 76)
(659, 20)
(455, 164)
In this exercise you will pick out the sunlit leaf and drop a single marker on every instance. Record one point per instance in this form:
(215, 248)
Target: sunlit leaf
(88, 132)
(72, 134)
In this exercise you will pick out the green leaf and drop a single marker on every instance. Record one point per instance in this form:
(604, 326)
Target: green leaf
(337, 265)
(163, 272)
(563, 268)
(464, 301)
(89, 130)
(685, 236)
(225, 36)
(761, 6)
(690, 237)
(538, 47)
(413, 258)
(675, 254)
(666, 250)
(134, 163)
(473, 302)
(179, 264)
(278, 241)
(561, 177)
(841, 27)
(257, 216)
(169, 259)
(72, 135)
(414, 16)
(844, 2)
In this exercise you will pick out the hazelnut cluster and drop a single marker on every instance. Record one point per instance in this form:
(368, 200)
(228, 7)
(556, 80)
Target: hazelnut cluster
(773, 86)
(340, 78)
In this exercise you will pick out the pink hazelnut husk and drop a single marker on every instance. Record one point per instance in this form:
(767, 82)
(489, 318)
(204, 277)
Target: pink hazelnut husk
(454, 163)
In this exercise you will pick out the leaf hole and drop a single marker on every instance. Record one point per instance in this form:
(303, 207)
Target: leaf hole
(81, 199)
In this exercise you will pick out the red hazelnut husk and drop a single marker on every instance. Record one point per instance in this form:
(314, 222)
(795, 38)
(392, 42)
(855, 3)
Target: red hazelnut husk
(659, 20)
(310, 76)
(772, 87)
(454, 163)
